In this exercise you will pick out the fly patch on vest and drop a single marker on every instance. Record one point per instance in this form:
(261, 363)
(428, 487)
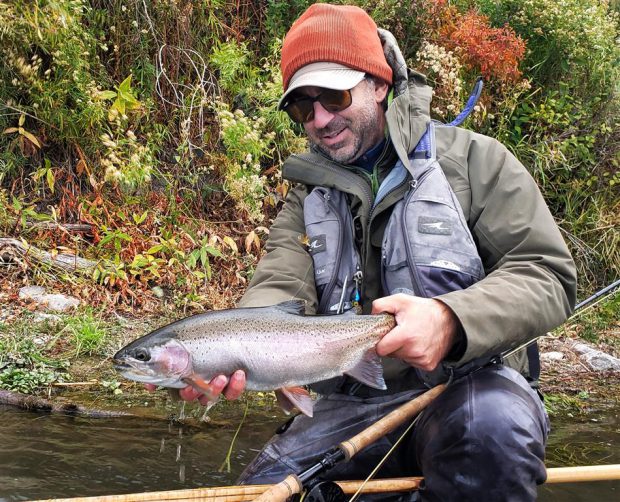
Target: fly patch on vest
(330, 242)
(427, 248)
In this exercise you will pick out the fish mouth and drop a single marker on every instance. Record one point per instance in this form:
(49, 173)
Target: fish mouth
(120, 366)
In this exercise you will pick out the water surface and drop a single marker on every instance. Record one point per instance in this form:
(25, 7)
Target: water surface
(50, 456)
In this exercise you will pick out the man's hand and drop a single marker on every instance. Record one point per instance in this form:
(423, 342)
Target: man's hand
(425, 330)
(232, 388)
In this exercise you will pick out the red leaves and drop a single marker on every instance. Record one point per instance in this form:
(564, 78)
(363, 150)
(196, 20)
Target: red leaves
(493, 52)
(496, 52)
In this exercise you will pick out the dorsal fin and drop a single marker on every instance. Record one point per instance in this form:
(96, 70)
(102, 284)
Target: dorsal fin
(296, 307)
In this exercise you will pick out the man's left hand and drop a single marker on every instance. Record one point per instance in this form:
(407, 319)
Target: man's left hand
(425, 330)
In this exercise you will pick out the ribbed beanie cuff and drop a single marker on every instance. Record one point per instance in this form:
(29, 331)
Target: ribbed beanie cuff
(342, 34)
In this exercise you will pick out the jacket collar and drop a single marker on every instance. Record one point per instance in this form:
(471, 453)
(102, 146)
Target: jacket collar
(408, 115)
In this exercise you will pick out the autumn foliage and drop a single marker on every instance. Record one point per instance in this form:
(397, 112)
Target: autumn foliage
(495, 53)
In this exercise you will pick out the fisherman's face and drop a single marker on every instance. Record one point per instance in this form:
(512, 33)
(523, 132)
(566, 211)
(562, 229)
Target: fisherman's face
(345, 135)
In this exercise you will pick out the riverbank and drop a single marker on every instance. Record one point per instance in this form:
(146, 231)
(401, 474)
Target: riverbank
(63, 362)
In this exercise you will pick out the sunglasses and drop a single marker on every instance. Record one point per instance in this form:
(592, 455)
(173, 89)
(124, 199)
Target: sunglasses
(301, 108)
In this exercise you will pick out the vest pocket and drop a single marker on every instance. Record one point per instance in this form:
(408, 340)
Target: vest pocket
(331, 243)
(428, 247)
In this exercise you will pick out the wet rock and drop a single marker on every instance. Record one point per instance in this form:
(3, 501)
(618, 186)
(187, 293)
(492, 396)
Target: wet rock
(597, 360)
(551, 356)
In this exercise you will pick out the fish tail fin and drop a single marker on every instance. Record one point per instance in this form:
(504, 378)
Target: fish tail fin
(290, 398)
(369, 371)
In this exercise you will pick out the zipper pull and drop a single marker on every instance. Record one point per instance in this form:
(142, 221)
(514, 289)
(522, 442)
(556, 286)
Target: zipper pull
(413, 184)
(340, 308)
(357, 278)
(326, 199)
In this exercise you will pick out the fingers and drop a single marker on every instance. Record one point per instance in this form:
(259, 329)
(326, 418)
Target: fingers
(189, 393)
(216, 386)
(150, 387)
(390, 343)
(425, 330)
(236, 385)
(391, 304)
(232, 388)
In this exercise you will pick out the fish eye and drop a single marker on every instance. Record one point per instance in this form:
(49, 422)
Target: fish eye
(142, 355)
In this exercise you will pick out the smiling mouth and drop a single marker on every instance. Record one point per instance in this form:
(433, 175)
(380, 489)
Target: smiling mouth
(333, 135)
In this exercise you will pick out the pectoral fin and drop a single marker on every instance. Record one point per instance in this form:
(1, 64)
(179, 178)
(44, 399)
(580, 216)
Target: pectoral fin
(369, 371)
(200, 385)
(290, 398)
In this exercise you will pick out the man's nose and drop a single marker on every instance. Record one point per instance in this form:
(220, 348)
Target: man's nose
(321, 116)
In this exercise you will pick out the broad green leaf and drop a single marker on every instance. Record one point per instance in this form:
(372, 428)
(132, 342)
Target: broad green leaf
(155, 249)
(50, 179)
(125, 85)
(213, 251)
(106, 95)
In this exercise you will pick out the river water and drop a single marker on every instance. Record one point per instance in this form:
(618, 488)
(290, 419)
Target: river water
(50, 456)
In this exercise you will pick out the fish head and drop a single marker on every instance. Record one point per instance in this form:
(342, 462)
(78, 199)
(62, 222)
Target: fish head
(159, 360)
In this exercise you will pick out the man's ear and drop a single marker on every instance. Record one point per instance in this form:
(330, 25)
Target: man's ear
(381, 90)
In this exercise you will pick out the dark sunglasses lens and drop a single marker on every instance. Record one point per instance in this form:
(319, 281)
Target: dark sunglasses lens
(301, 110)
(335, 101)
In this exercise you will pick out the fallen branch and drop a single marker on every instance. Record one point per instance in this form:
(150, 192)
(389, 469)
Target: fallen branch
(10, 249)
(69, 227)
(33, 403)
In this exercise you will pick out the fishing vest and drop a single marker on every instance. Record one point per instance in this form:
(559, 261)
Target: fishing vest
(427, 248)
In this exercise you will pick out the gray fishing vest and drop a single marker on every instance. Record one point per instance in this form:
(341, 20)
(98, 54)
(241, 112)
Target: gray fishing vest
(427, 248)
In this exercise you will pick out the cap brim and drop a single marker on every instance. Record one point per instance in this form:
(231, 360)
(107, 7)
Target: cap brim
(326, 75)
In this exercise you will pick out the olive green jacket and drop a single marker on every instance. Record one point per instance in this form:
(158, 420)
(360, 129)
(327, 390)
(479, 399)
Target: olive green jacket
(530, 284)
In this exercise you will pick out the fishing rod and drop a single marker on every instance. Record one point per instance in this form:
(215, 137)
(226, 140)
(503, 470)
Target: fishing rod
(247, 493)
(319, 491)
(323, 491)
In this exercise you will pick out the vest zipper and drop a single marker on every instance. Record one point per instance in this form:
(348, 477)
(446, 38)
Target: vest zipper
(329, 289)
(413, 270)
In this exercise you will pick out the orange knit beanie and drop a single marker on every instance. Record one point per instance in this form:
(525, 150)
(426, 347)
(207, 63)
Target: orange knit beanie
(342, 34)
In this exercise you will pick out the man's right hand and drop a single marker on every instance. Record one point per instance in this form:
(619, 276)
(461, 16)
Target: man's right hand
(232, 387)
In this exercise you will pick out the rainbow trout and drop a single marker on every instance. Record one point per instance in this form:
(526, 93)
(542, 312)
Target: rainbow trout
(278, 347)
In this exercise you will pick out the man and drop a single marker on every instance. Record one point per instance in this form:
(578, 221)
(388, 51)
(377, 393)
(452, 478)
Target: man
(440, 226)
